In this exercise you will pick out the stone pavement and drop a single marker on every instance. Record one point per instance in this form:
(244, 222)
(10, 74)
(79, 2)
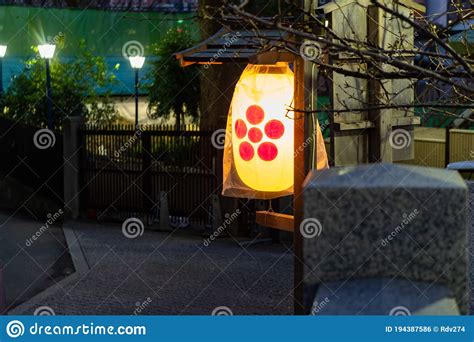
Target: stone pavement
(31, 266)
(159, 273)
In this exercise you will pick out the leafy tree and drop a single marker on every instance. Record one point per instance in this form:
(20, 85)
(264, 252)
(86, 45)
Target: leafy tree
(75, 90)
(173, 90)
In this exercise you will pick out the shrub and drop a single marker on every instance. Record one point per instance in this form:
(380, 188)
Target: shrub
(75, 90)
(173, 90)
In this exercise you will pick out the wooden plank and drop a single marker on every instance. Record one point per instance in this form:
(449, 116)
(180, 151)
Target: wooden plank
(272, 57)
(275, 220)
(413, 5)
(349, 126)
(406, 121)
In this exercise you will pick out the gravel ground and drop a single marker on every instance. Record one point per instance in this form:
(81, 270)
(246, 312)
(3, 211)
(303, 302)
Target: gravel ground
(159, 273)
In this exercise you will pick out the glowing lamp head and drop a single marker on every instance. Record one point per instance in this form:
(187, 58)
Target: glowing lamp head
(262, 133)
(46, 51)
(137, 61)
(3, 50)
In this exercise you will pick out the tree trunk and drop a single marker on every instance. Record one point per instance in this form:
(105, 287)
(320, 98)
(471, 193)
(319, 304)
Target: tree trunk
(217, 81)
(178, 121)
(217, 88)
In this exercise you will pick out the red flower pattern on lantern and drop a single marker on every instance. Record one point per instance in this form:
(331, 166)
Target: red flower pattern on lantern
(274, 129)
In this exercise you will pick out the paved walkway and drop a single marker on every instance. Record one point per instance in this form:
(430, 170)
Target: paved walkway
(31, 266)
(159, 273)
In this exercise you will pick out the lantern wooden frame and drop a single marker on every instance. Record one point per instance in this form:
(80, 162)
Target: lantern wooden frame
(243, 50)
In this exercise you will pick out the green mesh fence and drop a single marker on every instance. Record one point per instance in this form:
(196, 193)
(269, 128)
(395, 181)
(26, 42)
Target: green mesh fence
(105, 33)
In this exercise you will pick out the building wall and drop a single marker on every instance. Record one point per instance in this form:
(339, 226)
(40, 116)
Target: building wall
(125, 107)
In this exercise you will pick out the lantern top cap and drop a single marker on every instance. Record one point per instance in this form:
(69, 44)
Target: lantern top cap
(46, 51)
(238, 46)
(3, 50)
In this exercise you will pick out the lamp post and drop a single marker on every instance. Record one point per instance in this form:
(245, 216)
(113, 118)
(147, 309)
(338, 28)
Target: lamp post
(3, 51)
(46, 52)
(137, 63)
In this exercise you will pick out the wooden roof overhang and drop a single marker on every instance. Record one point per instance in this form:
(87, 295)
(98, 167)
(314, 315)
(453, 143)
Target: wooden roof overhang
(263, 46)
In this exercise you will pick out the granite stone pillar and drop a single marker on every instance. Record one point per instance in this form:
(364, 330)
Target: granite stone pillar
(387, 221)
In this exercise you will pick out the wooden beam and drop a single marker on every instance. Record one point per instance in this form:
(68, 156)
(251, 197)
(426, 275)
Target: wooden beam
(274, 220)
(406, 121)
(184, 64)
(365, 124)
(272, 57)
(349, 126)
(379, 148)
(413, 5)
(299, 176)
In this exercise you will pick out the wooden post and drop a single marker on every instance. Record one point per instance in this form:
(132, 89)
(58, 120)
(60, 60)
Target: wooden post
(447, 146)
(379, 148)
(147, 194)
(299, 175)
(302, 101)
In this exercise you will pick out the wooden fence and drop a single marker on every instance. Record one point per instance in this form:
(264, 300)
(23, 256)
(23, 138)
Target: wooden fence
(124, 171)
(432, 152)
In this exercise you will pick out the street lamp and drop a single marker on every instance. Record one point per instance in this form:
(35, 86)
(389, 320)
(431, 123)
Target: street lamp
(46, 52)
(3, 51)
(137, 63)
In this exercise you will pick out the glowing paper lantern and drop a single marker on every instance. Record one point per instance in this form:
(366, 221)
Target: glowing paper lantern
(262, 132)
(259, 149)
